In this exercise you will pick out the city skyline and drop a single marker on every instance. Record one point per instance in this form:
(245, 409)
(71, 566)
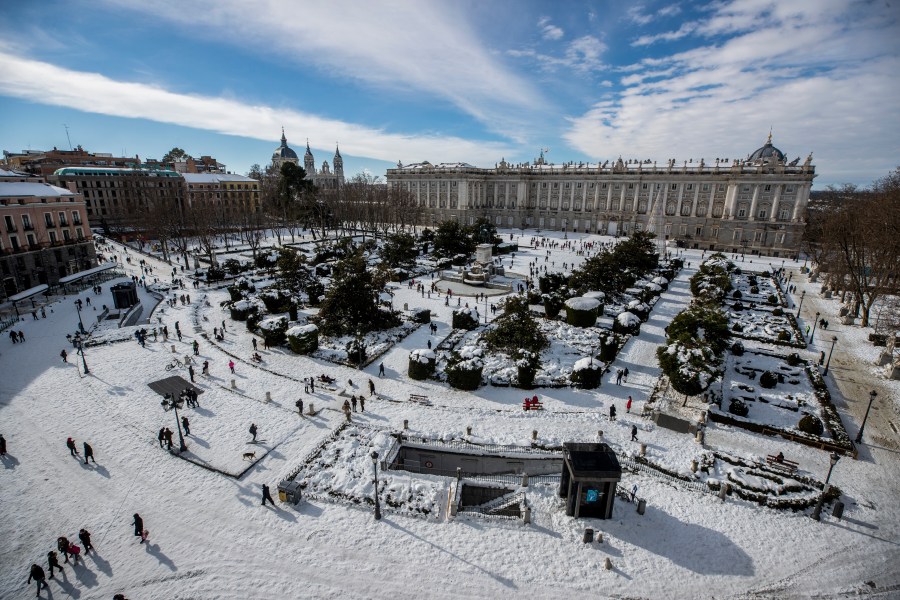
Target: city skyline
(461, 82)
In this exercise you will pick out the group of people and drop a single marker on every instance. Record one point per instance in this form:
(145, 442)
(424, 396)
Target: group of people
(16, 336)
(88, 450)
(68, 550)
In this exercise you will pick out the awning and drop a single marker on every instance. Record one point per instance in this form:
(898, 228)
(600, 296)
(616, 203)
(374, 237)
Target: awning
(29, 293)
(82, 274)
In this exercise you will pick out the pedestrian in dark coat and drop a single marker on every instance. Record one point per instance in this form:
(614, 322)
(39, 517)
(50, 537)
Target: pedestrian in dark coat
(37, 573)
(187, 425)
(196, 348)
(266, 495)
(2, 445)
(191, 372)
(299, 405)
(381, 370)
(625, 375)
(161, 436)
(253, 431)
(634, 433)
(254, 343)
(71, 445)
(353, 402)
(138, 526)
(85, 536)
(53, 562)
(63, 354)
(362, 403)
(612, 412)
(89, 454)
(62, 544)
(168, 433)
(371, 387)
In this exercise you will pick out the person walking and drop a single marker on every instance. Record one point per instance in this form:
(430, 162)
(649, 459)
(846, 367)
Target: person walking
(37, 573)
(75, 551)
(625, 375)
(89, 454)
(62, 544)
(161, 436)
(618, 376)
(254, 343)
(63, 355)
(205, 370)
(2, 445)
(196, 346)
(312, 385)
(70, 443)
(266, 495)
(628, 405)
(231, 366)
(612, 412)
(168, 434)
(299, 405)
(53, 562)
(381, 370)
(353, 402)
(346, 409)
(371, 387)
(634, 433)
(138, 527)
(187, 425)
(191, 372)
(85, 536)
(253, 431)
(362, 403)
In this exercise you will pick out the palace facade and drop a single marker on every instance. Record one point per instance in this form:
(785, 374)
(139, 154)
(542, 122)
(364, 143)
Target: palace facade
(756, 205)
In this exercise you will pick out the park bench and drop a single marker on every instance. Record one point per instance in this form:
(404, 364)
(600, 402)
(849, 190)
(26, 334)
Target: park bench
(419, 399)
(530, 404)
(788, 466)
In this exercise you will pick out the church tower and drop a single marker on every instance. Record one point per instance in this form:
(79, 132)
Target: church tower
(309, 163)
(338, 165)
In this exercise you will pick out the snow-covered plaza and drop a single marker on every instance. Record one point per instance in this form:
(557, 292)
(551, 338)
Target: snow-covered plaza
(209, 536)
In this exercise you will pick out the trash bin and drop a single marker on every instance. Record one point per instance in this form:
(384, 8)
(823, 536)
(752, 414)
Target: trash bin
(588, 535)
(289, 492)
(642, 506)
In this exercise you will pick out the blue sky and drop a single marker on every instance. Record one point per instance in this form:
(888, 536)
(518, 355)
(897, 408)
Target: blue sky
(458, 81)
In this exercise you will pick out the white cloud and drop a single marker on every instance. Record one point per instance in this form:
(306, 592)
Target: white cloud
(666, 36)
(549, 31)
(636, 14)
(45, 83)
(411, 46)
(582, 55)
(824, 77)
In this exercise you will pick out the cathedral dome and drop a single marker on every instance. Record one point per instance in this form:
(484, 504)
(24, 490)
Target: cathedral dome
(284, 151)
(767, 152)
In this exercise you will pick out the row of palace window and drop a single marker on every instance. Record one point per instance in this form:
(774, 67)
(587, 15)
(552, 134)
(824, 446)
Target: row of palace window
(705, 187)
(27, 225)
(54, 238)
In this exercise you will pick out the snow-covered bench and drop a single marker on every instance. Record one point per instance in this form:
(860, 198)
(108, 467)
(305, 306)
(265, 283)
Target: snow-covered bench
(419, 399)
(783, 464)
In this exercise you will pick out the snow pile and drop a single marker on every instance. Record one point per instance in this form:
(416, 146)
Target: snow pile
(595, 294)
(273, 323)
(661, 281)
(472, 358)
(582, 303)
(584, 364)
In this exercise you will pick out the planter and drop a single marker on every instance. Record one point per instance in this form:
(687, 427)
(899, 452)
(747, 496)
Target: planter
(421, 364)
(303, 339)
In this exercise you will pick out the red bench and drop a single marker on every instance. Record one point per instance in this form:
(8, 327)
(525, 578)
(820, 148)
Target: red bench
(788, 466)
(532, 404)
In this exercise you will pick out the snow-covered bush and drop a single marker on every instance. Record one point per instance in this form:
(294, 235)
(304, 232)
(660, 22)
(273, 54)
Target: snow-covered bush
(276, 301)
(465, 367)
(627, 323)
(638, 308)
(553, 303)
(465, 318)
(768, 380)
(811, 424)
(242, 309)
(738, 407)
(273, 330)
(421, 363)
(609, 346)
(303, 339)
(527, 365)
(587, 373)
(737, 348)
(582, 311)
(421, 315)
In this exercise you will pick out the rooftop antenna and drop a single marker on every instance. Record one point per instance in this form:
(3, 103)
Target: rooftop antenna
(67, 136)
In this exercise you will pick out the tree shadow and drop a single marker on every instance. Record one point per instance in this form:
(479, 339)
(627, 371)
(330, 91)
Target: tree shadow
(160, 555)
(692, 548)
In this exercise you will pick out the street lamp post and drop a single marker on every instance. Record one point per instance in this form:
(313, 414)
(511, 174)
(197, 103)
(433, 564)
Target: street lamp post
(78, 308)
(817, 512)
(813, 334)
(375, 469)
(799, 306)
(359, 350)
(173, 403)
(859, 435)
(830, 352)
(80, 347)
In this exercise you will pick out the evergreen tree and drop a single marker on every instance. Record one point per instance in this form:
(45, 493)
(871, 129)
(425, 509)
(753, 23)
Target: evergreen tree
(516, 329)
(351, 303)
(451, 239)
(399, 249)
